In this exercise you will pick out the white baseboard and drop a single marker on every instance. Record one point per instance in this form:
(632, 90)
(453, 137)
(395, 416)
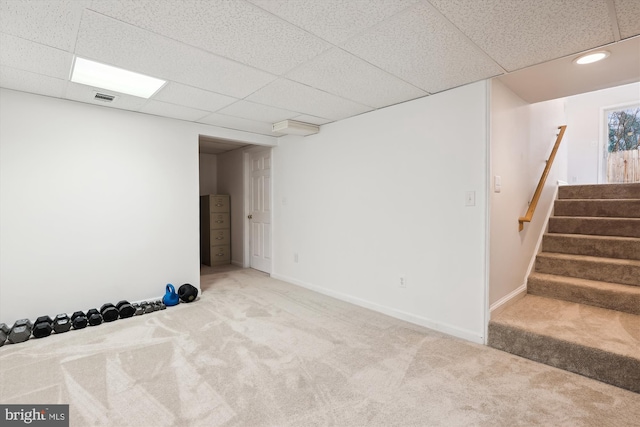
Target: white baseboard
(389, 311)
(507, 300)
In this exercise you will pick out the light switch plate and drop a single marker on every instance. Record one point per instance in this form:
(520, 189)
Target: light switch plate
(470, 198)
(497, 183)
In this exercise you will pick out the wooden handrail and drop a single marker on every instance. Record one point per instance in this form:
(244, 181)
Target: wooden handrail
(536, 196)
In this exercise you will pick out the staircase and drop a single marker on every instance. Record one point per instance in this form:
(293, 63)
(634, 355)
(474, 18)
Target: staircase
(582, 308)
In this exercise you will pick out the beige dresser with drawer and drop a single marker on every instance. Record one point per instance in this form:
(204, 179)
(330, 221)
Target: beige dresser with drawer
(215, 237)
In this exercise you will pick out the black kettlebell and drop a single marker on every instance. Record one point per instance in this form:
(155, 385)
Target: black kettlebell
(187, 292)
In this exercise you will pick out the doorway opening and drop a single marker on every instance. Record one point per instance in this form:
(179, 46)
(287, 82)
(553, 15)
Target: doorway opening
(228, 237)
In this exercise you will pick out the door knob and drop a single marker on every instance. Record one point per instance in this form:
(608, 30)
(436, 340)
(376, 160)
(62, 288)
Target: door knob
(249, 216)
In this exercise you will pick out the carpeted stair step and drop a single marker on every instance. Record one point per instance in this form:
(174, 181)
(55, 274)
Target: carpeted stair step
(620, 208)
(624, 227)
(601, 246)
(623, 271)
(600, 191)
(612, 296)
(591, 341)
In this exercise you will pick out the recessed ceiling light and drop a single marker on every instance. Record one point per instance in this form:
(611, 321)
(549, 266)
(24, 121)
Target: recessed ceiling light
(592, 57)
(104, 76)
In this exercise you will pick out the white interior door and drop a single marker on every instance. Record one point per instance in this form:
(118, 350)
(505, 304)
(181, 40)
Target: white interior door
(260, 210)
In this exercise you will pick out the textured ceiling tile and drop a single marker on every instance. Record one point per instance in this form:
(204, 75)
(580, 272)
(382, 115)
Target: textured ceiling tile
(259, 112)
(112, 42)
(334, 20)
(342, 74)
(233, 29)
(421, 47)
(188, 96)
(12, 78)
(26, 55)
(628, 14)
(84, 93)
(239, 123)
(311, 119)
(49, 22)
(165, 109)
(294, 96)
(519, 33)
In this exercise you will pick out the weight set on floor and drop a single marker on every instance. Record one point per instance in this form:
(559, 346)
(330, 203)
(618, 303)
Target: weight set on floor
(61, 323)
(20, 332)
(125, 309)
(4, 332)
(170, 297)
(44, 326)
(109, 312)
(79, 320)
(187, 292)
(94, 317)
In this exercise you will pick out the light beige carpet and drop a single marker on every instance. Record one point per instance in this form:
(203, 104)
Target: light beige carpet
(254, 351)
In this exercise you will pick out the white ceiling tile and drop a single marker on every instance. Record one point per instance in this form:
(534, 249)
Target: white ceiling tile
(334, 20)
(189, 96)
(239, 123)
(295, 96)
(342, 74)
(26, 55)
(628, 14)
(562, 77)
(233, 29)
(519, 33)
(84, 93)
(253, 111)
(112, 42)
(165, 109)
(311, 119)
(421, 47)
(49, 22)
(25, 81)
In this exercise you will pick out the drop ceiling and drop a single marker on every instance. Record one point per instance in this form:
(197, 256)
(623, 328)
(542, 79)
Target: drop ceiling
(245, 64)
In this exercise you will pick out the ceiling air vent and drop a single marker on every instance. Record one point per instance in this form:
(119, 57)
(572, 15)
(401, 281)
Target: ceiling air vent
(104, 97)
(294, 127)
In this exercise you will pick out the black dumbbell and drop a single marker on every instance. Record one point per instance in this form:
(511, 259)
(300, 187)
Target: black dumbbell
(43, 327)
(4, 331)
(187, 292)
(125, 309)
(79, 320)
(61, 323)
(94, 317)
(109, 312)
(20, 332)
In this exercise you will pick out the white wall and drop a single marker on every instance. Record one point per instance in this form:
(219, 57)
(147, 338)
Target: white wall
(96, 204)
(231, 182)
(208, 174)
(383, 194)
(584, 115)
(522, 136)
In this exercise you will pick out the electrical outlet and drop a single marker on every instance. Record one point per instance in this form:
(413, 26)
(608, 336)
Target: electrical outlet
(402, 282)
(295, 257)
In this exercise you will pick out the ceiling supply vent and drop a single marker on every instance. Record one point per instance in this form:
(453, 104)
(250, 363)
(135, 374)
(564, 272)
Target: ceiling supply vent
(104, 97)
(293, 127)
